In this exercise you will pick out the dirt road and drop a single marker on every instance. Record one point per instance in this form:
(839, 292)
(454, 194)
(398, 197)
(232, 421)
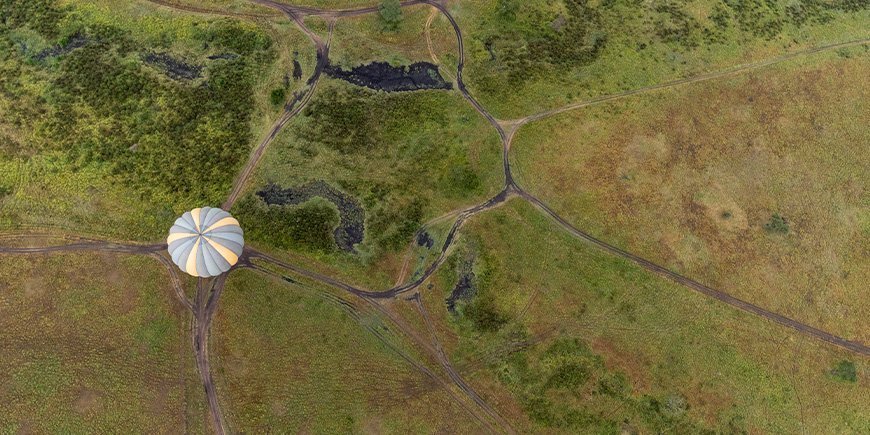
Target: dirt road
(208, 292)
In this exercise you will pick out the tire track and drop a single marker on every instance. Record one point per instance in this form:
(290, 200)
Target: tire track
(354, 313)
(694, 79)
(454, 375)
(291, 109)
(700, 288)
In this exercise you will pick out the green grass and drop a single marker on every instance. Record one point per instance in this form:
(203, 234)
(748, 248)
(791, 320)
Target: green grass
(287, 358)
(536, 60)
(693, 178)
(93, 343)
(406, 157)
(621, 346)
(362, 39)
(106, 134)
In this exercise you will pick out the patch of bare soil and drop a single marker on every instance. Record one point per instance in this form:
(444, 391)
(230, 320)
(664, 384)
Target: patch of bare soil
(34, 288)
(88, 401)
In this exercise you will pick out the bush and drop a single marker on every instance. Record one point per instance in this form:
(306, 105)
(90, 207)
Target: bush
(164, 138)
(845, 371)
(277, 96)
(307, 227)
(568, 376)
(462, 179)
(776, 225)
(484, 315)
(391, 14)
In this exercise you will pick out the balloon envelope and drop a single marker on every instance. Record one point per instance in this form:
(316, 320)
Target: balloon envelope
(205, 242)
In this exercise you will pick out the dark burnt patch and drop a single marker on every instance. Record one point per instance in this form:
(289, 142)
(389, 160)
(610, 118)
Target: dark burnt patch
(385, 77)
(174, 68)
(297, 70)
(351, 227)
(76, 41)
(224, 56)
(465, 287)
(425, 240)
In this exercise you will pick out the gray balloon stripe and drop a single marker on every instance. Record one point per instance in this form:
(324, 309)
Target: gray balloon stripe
(183, 253)
(179, 249)
(205, 215)
(229, 229)
(222, 263)
(182, 226)
(177, 229)
(201, 269)
(208, 255)
(229, 244)
(177, 243)
(188, 218)
(232, 237)
(214, 215)
(219, 260)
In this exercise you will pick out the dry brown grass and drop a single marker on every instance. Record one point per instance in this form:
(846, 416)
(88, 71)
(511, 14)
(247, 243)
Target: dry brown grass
(360, 39)
(688, 177)
(666, 339)
(92, 343)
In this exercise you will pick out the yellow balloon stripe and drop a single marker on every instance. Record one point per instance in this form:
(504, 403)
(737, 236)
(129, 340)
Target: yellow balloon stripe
(229, 220)
(228, 255)
(190, 266)
(195, 214)
(178, 236)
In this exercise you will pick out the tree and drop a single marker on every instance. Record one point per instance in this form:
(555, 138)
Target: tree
(391, 14)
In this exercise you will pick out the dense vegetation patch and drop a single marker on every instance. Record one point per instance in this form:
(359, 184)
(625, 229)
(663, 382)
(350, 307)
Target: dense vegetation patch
(553, 384)
(523, 36)
(305, 227)
(351, 227)
(156, 128)
(553, 40)
(395, 153)
(845, 371)
(776, 225)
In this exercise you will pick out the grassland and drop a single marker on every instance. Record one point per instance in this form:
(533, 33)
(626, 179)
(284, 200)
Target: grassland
(122, 152)
(696, 177)
(209, 7)
(94, 343)
(754, 184)
(524, 57)
(286, 357)
(362, 39)
(561, 337)
(406, 157)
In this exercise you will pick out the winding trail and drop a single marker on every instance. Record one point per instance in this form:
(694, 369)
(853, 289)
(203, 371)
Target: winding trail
(291, 109)
(454, 375)
(176, 281)
(694, 79)
(512, 188)
(209, 291)
(355, 313)
(207, 11)
(251, 253)
(701, 288)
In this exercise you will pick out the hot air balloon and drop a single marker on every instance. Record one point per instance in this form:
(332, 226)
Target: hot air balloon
(205, 242)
